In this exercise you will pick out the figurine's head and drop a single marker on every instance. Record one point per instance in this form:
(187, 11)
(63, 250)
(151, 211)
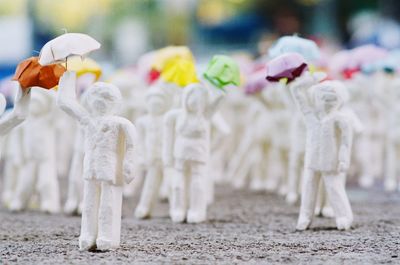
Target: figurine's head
(329, 95)
(195, 98)
(103, 99)
(41, 101)
(157, 101)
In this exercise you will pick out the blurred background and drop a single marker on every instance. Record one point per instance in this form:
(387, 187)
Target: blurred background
(129, 28)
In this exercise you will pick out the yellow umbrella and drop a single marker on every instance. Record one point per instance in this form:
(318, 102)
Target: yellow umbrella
(179, 71)
(164, 55)
(83, 66)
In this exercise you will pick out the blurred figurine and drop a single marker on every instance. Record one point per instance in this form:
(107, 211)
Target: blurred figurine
(109, 159)
(328, 148)
(150, 133)
(186, 148)
(8, 121)
(38, 172)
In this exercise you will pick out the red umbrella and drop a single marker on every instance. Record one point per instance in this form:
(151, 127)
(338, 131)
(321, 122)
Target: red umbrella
(30, 73)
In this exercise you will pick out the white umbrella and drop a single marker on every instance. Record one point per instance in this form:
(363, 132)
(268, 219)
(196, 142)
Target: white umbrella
(58, 49)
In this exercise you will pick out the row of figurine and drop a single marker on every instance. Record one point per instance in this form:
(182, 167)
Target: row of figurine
(286, 124)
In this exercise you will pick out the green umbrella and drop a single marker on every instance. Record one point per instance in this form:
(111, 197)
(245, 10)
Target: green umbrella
(221, 71)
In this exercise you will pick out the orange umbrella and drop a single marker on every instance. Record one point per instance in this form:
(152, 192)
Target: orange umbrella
(30, 73)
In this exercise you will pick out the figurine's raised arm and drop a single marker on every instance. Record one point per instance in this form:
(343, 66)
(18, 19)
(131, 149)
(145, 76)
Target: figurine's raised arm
(130, 164)
(66, 97)
(215, 97)
(19, 113)
(298, 90)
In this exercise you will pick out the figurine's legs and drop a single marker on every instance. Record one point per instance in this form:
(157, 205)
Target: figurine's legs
(210, 178)
(90, 209)
(391, 167)
(335, 189)
(48, 187)
(308, 198)
(283, 183)
(274, 169)
(320, 199)
(294, 174)
(164, 189)
(75, 184)
(150, 190)
(25, 186)
(109, 233)
(178, 196)
(198, 198)
(256, 170)
(365, 149)
(10, 181)
(239, 177)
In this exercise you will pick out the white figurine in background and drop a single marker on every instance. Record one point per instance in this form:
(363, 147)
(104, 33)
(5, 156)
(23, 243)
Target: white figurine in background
(109, 159)
(328, 148)
(186, 148)
(38, 172)
(150, 129)
(392, 169)
(9, 121)
(369, 146)
(13, 161)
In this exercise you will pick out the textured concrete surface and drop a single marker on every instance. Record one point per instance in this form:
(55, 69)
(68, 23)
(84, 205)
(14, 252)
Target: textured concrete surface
(243, 227)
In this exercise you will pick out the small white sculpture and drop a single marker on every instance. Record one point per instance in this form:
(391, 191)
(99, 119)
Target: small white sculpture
(73, 204)
(186, 148)
(328, 148)
(109, 159)
(150, 129)
(38, 172)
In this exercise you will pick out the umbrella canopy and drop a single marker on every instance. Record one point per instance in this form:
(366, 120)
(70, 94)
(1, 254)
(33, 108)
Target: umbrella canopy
(294, 44)
(221, 71)
(83, 66)
(162, 56)
(30, 73)
(289, 66)
(58, 49)
(364, 55)
(256, 82)
(179, 71)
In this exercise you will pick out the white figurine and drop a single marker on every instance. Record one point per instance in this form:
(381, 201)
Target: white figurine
(186, 148)
(109, 159)
(150, 129)
(73, 204)
(328, 148)
(38, 173)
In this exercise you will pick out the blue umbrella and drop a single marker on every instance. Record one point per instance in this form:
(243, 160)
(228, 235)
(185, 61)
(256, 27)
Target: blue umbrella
(289, 44)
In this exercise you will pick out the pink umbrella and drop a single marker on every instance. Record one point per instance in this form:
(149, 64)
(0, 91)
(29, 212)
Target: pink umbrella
(365, 54)
(256, 82)
(288, 65)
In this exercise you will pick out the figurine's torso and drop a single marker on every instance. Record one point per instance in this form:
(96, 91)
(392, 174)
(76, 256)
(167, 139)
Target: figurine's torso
(192, 138)
(103, 149)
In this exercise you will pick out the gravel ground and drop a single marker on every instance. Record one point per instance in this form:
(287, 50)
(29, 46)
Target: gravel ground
(243, 227)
